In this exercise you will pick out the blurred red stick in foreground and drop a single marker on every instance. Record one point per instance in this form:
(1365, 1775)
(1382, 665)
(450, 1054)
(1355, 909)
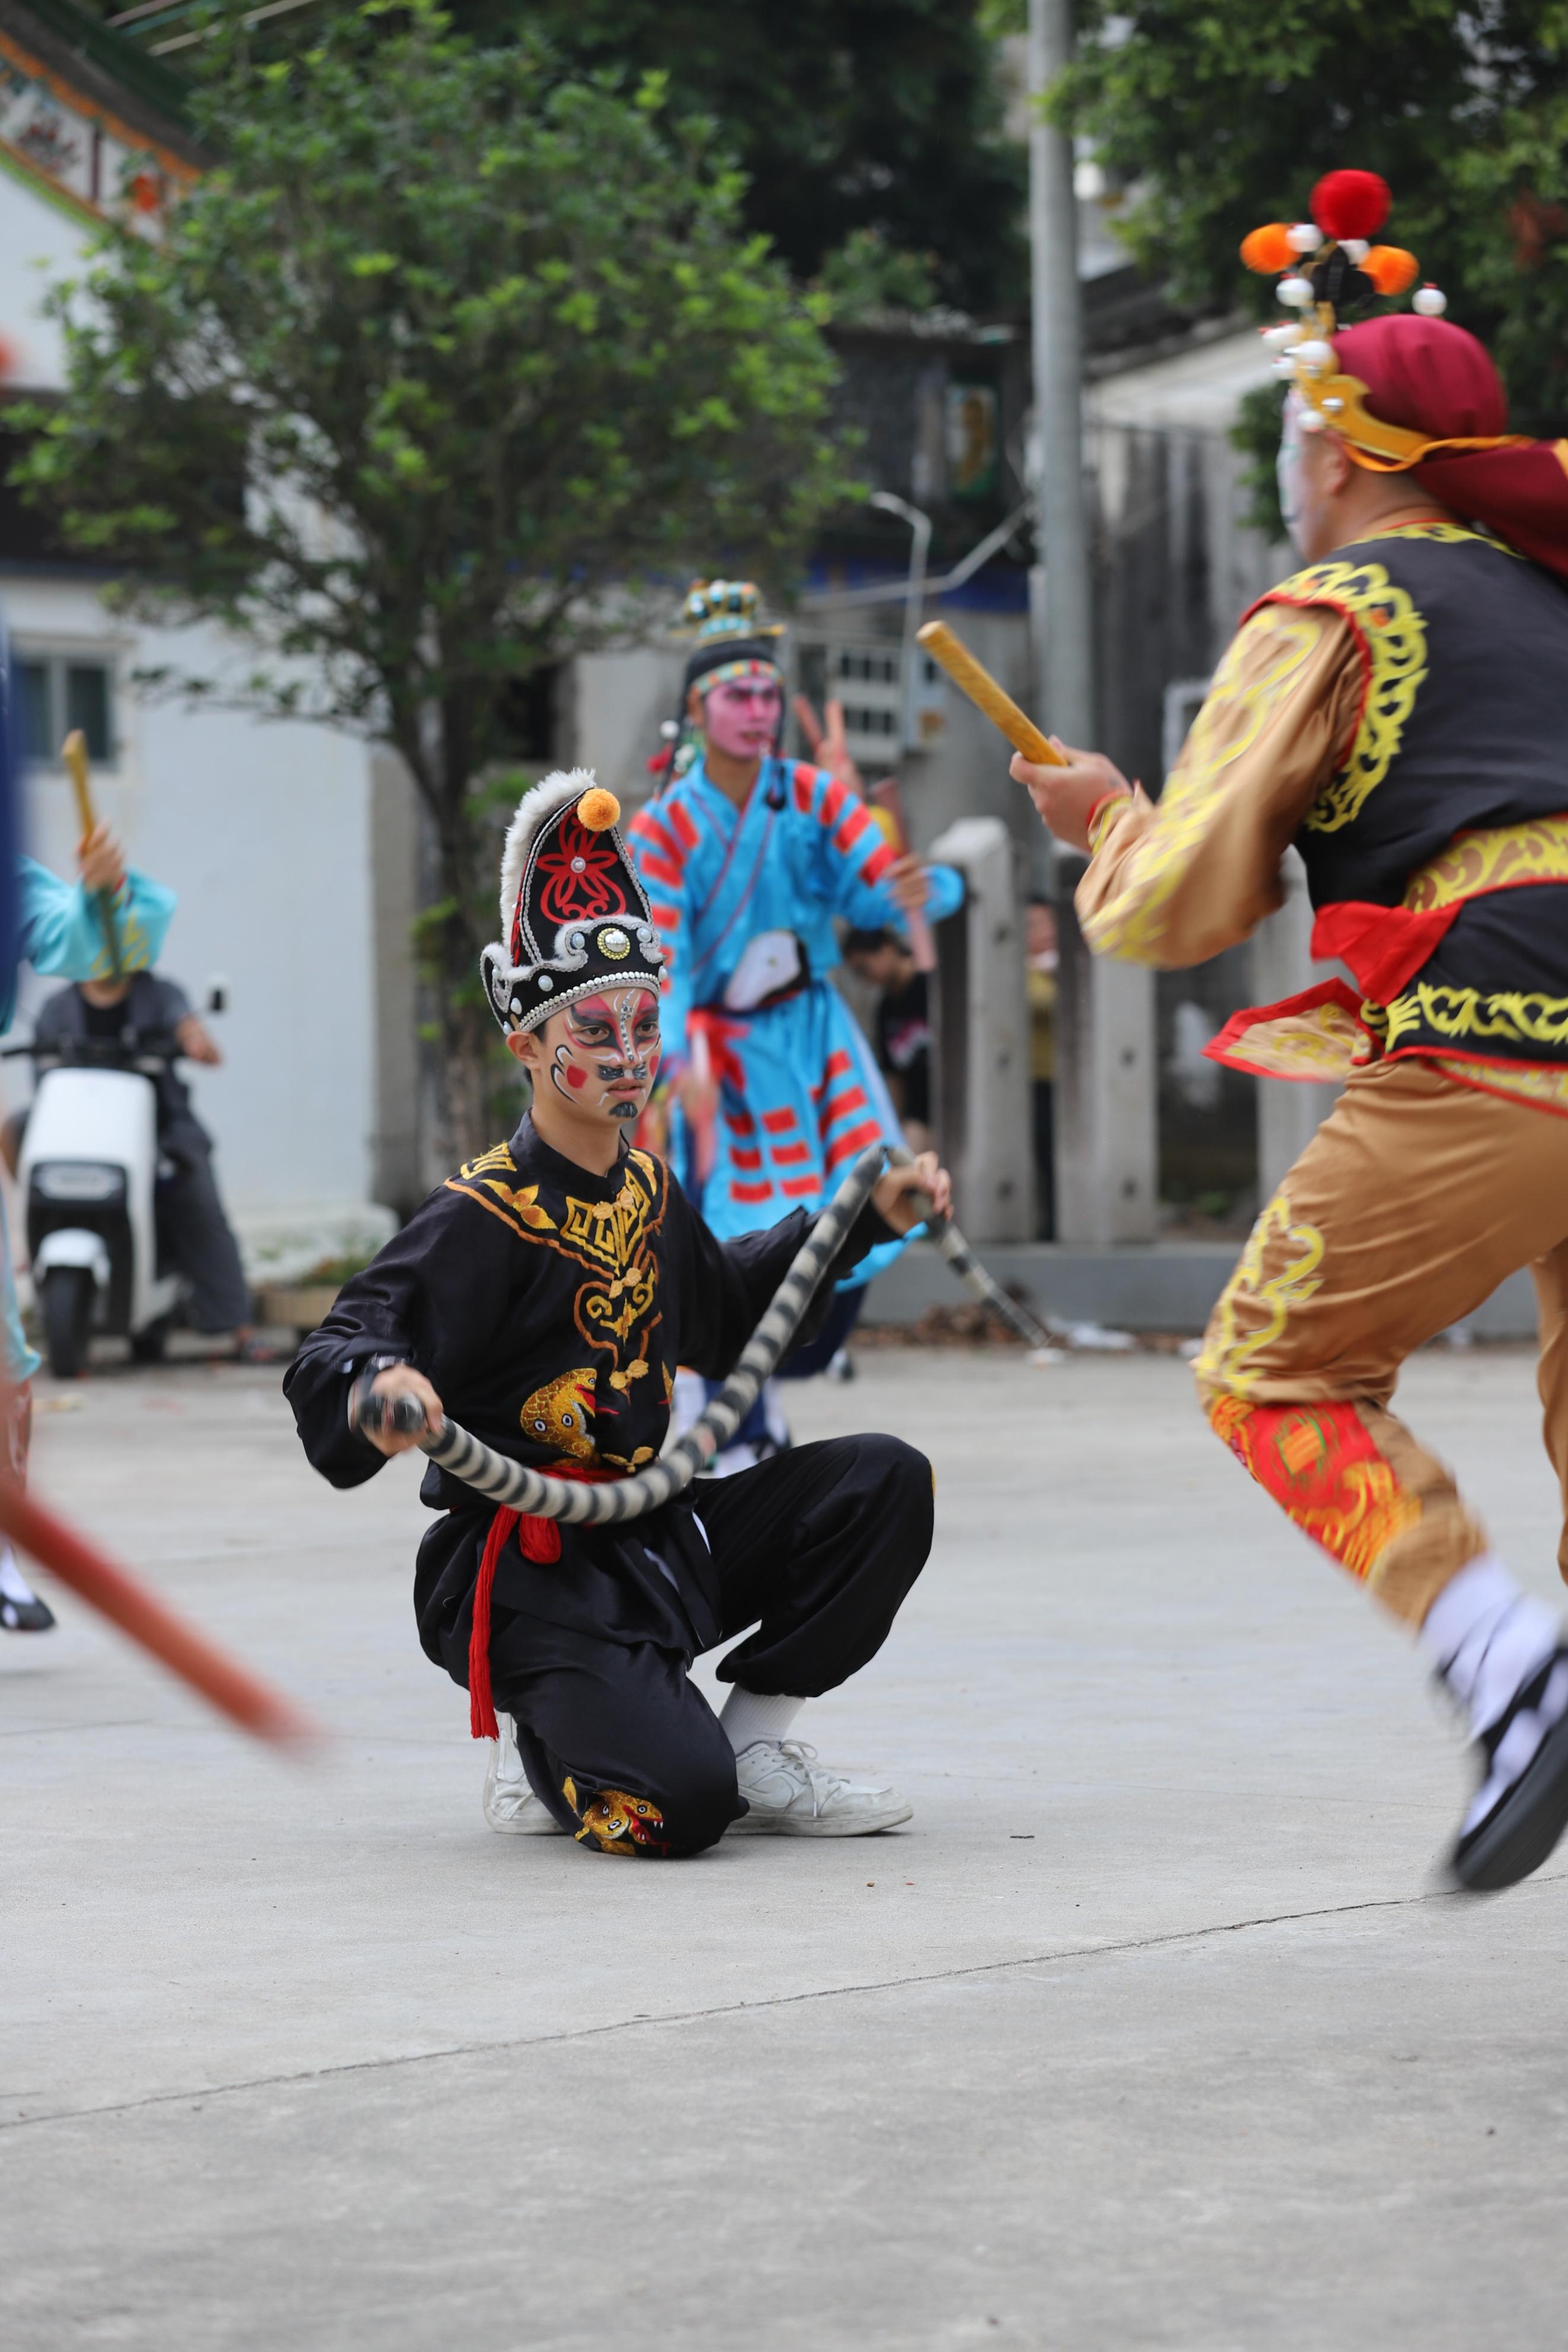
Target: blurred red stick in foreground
(150, 1622)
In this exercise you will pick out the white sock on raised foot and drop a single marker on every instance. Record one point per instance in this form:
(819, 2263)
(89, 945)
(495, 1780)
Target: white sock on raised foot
(1485, 1636)
(14, 1585)
(749, 1716)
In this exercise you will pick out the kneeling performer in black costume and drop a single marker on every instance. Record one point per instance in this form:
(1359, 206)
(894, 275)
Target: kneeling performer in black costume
(545, 1296)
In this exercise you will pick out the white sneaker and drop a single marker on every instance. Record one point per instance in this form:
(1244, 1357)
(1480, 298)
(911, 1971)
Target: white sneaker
(791, 1795)
(510, 1805)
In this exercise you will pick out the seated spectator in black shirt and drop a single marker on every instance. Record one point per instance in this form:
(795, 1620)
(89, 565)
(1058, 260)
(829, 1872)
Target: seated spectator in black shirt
(902, 1035)
(193, 1231)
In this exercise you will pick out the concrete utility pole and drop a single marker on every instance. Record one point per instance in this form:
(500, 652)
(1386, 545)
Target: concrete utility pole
(1105, 1085)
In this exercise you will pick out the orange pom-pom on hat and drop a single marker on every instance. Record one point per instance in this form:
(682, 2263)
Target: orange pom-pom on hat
(599, 810)
(1351, 204)
(1391, 269)
(1268, 250)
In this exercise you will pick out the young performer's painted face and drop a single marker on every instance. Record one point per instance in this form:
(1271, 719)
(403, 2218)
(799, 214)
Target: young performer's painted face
(602, 1054)
(741, 717)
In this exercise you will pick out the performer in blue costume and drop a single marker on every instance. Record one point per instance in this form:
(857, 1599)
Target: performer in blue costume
(747, 859)
(60, 932)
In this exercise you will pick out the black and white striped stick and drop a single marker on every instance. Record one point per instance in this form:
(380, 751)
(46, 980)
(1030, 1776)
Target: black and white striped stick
(985, 1286)
(513, 1487)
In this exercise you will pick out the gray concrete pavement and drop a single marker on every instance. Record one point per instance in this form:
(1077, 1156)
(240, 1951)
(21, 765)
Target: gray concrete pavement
(1151, 2030)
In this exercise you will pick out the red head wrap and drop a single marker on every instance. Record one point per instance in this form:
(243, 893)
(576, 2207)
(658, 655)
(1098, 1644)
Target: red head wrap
(1433, 378)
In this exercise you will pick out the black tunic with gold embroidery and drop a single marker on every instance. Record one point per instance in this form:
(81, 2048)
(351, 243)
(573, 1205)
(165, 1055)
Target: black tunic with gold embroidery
(550, 1307)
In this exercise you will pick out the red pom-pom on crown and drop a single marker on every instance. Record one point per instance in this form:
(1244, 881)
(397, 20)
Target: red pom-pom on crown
(1351, 204)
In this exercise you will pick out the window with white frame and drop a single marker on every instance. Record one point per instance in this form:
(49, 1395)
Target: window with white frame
(57, 692)
(867, 680)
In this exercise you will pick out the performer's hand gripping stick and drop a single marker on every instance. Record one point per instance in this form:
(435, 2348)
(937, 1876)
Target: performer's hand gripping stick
(401, 1416)
(973, 679)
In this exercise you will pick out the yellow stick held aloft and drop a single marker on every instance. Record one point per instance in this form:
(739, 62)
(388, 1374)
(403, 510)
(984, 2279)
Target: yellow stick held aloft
(973, 679)
(73, 752)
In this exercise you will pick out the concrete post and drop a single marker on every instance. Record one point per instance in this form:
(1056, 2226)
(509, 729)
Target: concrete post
(1106, 1128)
(980, 1090)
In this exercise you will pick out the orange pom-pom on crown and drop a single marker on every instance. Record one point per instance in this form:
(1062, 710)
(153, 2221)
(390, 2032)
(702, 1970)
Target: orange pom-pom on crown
(1391, 269)
(1351, 204)
(1268, 250)
(598, 809)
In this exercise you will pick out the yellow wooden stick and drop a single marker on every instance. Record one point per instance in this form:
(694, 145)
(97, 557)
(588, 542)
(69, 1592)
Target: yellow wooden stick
(73, 752)
(973, 679)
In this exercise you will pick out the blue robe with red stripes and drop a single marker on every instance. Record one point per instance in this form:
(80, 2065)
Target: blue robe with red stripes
(799, 1091)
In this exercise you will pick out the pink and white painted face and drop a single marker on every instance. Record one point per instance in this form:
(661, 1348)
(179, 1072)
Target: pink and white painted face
(741, 716)
(602, 1052)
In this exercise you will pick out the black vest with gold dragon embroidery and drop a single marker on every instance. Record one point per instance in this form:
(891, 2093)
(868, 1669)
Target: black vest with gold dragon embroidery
(1463, 731)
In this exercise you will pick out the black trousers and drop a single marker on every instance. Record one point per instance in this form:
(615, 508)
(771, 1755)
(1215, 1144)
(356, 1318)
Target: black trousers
(816, 1548)
(1042, 1104)
(194, 1236)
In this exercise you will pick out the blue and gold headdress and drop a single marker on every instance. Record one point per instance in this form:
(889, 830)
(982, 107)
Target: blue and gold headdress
(733, 643)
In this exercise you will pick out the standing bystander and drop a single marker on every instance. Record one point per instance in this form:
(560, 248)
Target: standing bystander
(1040, 960)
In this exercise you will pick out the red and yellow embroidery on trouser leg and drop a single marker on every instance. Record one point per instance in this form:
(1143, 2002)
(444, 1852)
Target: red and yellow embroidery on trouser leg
(1321, 1465)
(1304, 1346)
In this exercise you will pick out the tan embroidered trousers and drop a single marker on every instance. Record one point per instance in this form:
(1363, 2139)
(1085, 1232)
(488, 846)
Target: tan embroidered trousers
(1415, 1198)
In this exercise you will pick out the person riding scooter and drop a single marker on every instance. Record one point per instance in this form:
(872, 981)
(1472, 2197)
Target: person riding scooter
(60, 931)
(193, 1234)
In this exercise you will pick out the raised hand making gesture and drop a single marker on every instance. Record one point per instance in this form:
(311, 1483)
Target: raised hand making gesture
(827, 744)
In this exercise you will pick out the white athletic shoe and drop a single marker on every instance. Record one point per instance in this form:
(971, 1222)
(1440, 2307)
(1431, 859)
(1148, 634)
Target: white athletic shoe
(510, 1805)
(791, 1795)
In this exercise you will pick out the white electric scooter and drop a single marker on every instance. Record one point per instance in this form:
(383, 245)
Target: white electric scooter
(88, 1177)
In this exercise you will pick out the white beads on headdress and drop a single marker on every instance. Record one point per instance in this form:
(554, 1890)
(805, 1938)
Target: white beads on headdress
(1431, 301)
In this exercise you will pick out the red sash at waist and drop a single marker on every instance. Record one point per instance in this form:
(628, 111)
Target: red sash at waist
(539, 1538)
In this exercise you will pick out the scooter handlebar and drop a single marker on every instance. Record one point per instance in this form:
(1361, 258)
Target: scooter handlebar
(92, 1052)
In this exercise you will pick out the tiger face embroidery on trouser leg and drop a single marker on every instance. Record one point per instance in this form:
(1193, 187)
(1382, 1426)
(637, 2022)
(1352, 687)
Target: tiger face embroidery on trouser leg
(1342, 1467)
(1321, 1465)
(616, 1821)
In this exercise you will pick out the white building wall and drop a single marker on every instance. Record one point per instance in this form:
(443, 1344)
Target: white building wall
(264, 831)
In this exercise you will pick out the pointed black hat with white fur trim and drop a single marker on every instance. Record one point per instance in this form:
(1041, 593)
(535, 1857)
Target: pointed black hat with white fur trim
(574, 917)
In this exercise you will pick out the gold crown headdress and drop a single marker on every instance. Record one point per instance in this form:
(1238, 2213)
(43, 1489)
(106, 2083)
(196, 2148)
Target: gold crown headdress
(1330, 262)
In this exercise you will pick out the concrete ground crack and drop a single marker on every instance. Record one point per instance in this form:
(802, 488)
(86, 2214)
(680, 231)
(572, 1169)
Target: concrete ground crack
(1078, 1952)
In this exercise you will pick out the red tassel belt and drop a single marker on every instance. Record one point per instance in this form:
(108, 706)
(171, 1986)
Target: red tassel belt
(539, 1539)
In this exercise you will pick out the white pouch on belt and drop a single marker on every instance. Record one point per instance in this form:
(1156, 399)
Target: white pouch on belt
(768, 964)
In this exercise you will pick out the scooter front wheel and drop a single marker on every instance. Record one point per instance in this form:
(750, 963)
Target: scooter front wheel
(68, 1304)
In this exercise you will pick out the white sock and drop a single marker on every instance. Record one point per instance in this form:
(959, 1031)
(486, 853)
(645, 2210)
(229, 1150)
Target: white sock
(1487, 1637)
(14, 1585)
(749, 1716)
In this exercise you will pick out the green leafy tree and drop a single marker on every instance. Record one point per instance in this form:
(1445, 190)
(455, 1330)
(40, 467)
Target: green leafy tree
(438, 375)
(1222, 115)
(847, 116)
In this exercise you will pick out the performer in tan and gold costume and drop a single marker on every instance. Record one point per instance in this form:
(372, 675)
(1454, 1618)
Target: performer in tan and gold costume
(1396, 709)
